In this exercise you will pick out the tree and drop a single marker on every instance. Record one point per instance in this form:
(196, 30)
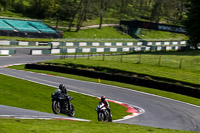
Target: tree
(40, 8)
(156, 11)
(4, 4)
(83, 13)
(102, 8)
(192, 22)
(75, 11)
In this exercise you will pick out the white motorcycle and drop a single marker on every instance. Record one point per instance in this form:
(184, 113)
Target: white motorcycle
(103, 114)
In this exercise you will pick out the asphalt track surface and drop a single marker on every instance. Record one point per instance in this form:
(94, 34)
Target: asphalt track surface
(159, 112)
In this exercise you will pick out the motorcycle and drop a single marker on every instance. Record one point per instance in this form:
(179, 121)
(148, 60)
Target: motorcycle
(103, 114)
(59, 104)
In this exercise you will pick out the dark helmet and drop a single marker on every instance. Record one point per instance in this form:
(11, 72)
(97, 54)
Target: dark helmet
(103, 98)
(62, 87)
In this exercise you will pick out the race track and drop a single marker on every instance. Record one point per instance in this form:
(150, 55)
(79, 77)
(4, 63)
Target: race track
(159, 112)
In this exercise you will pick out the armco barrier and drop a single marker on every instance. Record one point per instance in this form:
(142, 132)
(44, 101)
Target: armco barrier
(117, 44)
(4, 42)
(18, 43)
(46, 51)
(36, 52)
(106, 49)
(7, 52)
(4, 52)
(146, 82)
(93, 44)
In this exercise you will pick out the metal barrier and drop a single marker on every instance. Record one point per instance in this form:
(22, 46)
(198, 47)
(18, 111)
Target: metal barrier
(104, 50)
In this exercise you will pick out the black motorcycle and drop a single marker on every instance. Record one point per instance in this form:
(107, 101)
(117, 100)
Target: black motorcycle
(60, 105)
(103, 114)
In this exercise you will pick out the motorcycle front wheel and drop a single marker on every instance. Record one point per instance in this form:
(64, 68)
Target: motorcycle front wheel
(72, 111)
(56, 107)
(100, 116)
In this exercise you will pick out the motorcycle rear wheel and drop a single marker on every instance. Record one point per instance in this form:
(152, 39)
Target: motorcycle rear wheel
(109, 118)
(56, 107)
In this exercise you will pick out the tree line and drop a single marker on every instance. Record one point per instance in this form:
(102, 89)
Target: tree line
(78, 11)
(75, 12)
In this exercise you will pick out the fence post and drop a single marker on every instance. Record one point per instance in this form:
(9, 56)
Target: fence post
(180, 63)
(88, 56)
(66, 54)
(75, 55)
(140, 57)
(121, 57)
(159, 61)
(103, 56)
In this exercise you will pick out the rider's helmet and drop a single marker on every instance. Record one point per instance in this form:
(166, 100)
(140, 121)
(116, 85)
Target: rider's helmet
(103, 98)
(62, 87)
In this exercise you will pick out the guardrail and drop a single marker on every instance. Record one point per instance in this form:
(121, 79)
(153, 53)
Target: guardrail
(104, 50)
(98, 47)
(7, 52)
(93, 44)
(116, 44)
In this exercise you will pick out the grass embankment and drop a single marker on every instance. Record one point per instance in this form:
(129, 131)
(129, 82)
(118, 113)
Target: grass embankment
(52, 126)
(24, 94)
(155, 34)
(105, 32)
(91, 34)
(181, 66)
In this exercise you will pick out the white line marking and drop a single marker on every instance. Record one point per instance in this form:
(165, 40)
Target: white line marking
(120, 88)
(125, 118)
(41, 117)
(126, 89)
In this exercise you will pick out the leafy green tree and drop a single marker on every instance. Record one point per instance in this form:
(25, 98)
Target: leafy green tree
(42, 8)
(192, 23)
(4, 4)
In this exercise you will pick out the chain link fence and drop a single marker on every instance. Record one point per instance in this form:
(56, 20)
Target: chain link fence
(172, 61)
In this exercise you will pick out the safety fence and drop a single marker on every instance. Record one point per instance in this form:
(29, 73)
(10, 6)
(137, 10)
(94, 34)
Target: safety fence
(116, 44)
(92, 44)
(7, 52)
(105, 50)
(97, 47)
(18, 43)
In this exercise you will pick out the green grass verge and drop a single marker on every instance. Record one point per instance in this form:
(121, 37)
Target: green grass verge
(162, 64)
(57, 126)
(27, 39)
(171, 95)
(155, 34)
(105, 32)
(24, 94)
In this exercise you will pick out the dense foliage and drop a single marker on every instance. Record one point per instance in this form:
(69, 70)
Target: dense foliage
(75, 12)
(192, 22)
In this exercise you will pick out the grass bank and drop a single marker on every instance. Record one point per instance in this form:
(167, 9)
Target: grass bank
(181, 66)
(35, 96)
(95, 33)
(52, 126)
(155, 34)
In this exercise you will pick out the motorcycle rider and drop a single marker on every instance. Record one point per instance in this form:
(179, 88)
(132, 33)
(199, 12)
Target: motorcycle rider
(65, 93)
(106, 104)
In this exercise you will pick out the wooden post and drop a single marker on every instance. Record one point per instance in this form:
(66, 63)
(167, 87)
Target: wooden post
(121, 57)
(103, 56)
(159, 61)
(88, 56)
(180, 63)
